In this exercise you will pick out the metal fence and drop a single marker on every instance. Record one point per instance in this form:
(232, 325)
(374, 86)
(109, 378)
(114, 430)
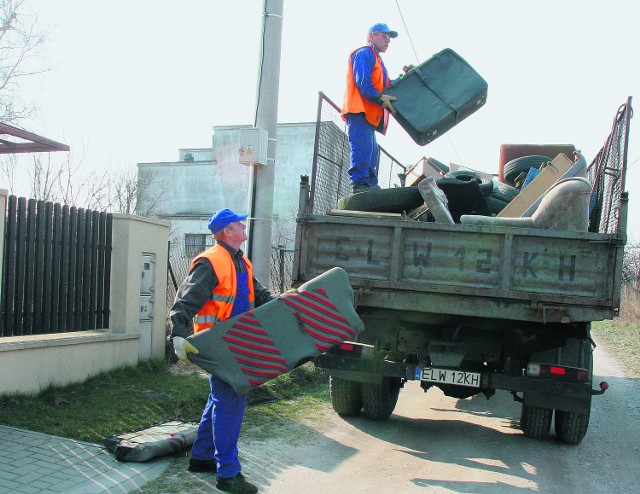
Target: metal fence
(607, 174)
(331, 160)
(56, 268)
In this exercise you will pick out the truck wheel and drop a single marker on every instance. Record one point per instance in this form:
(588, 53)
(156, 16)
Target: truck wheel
(571, 426)
(535, 421)
(346, 396)
(379, 400)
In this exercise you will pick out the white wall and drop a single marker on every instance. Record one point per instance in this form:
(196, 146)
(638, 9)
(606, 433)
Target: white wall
(196, 190)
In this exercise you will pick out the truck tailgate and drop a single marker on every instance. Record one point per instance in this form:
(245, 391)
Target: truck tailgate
(486, 271)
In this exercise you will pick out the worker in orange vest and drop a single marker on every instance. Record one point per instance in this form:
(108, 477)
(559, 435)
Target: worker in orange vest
(364, 107)
(220, 285)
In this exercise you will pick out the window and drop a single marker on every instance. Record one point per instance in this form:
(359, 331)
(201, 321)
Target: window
(194, 243)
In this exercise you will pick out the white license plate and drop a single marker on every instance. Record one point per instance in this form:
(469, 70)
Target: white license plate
(449, 376)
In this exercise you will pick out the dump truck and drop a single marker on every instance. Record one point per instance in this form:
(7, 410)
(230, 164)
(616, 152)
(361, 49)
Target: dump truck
(470, 309)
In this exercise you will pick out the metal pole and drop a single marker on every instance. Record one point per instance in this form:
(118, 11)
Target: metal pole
(263, 177)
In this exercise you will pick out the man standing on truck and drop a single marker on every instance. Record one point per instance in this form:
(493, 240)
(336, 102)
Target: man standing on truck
(220, 285)
(365, 108)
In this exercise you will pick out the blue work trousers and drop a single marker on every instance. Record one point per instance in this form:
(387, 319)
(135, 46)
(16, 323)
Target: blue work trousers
(364, 150)
(219, 429)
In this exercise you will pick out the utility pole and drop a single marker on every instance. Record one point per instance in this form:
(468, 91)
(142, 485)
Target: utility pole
(262, 178)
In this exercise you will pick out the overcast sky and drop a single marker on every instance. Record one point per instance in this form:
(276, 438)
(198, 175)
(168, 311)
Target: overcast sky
(134, 80)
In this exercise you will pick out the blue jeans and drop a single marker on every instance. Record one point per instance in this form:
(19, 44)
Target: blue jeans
(364, 150)
(219, 429)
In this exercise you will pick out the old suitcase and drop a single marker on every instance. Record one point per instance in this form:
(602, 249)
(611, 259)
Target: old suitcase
(437, 95)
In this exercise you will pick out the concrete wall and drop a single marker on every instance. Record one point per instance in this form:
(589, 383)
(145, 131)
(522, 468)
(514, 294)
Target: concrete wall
(30, 363)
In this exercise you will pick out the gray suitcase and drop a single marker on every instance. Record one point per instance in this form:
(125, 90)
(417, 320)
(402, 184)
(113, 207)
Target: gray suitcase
(437, 95)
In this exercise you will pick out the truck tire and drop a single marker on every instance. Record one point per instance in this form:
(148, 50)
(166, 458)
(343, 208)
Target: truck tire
(346, 396)
(535, 422)
(379, 400)
(571, 426)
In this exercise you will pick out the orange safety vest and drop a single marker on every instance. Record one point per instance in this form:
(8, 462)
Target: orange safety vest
(354, 102)
(218, 308)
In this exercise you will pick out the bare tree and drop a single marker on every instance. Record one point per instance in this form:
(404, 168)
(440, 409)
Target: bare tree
(8, 164)
(631, 266)
(134, 193)
(20, 42)
(65, 181)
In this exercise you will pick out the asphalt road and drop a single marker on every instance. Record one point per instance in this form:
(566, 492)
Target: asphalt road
(433, 443)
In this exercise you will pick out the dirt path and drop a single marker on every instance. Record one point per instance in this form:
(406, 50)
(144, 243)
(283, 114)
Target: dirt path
(433, 443)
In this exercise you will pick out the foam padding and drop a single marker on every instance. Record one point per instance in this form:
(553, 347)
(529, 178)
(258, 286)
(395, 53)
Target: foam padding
(252, 348)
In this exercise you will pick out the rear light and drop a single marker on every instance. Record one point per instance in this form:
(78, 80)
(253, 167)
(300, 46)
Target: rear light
(353, 349)
(557, 372)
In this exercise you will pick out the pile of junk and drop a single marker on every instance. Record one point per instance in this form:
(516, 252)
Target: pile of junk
(542, 186)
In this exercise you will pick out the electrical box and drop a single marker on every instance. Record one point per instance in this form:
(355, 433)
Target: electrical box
(253, 147)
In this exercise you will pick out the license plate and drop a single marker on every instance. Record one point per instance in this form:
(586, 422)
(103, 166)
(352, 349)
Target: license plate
(449, 376)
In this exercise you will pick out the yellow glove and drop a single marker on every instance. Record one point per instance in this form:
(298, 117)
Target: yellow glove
(182, 347)
(292, 290)
(385, 102)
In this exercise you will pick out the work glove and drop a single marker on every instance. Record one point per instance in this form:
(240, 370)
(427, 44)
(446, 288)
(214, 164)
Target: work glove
(292, 290)
(385, 102)
(182, 347)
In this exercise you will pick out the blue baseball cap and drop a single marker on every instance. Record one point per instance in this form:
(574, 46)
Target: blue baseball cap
(222, 218)
(382, 28)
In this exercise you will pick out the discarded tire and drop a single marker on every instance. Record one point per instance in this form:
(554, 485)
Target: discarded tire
(515, 167)
(486, 184)
(396, 200)
(495, 205)
(504, 192)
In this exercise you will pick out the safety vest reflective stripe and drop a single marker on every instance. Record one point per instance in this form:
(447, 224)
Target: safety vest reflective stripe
(222, 298)
(206, 319)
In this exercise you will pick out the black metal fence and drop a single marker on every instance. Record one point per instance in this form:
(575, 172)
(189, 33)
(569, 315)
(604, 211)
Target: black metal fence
(56, 268)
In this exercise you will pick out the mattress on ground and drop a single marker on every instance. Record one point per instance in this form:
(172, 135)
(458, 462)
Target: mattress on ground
(252, 348)
(158, 440)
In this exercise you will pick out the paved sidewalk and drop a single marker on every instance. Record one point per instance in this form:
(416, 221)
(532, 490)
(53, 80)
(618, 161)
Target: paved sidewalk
(31, 462)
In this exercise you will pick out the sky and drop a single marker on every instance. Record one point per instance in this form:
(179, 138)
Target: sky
(133, 81)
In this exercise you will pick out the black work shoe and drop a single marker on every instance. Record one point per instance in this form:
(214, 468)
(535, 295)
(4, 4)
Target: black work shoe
(202, 465)
(236, 485)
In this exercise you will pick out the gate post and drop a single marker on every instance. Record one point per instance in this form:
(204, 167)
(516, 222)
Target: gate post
(3, 214)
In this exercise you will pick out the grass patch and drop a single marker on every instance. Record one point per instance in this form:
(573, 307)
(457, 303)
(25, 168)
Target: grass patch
(132, 398)
(621, 336)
